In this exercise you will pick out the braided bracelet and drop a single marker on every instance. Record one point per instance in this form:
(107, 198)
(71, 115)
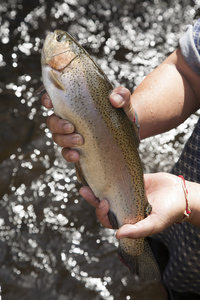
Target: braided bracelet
(187, 211)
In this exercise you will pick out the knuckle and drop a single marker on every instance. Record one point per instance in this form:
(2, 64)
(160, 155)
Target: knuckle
(59, 140)
(66, 140)
(50, 122)
(55, 138)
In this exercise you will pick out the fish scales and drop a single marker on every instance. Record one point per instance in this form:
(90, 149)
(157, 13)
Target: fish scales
(109, 160)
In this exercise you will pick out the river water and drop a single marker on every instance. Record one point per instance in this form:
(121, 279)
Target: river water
(52, 246)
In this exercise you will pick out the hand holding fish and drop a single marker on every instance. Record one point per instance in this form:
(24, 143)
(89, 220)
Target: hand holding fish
(165, 98)
(165, 194)
(160, 188)
(63, 133)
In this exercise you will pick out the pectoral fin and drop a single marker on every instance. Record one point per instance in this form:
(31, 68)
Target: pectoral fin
(56, 82)
(79, 174)
(39, 90)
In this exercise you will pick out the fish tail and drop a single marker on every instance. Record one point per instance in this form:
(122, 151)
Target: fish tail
(143, 265)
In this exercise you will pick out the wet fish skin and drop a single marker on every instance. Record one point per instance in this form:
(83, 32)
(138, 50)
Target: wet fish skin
(109, 160)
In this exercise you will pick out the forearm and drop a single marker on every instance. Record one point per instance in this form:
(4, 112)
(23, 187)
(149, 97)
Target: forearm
(167, 96)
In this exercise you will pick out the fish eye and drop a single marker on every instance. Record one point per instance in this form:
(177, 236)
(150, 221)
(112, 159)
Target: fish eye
(61, 37)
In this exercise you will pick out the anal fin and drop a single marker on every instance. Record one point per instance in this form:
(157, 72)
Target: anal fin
(113, 220)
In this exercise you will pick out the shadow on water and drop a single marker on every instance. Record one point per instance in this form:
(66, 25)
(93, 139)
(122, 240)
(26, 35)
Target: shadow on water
(52, 246)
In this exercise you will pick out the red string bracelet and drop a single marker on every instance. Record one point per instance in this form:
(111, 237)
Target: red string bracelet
(187, 211)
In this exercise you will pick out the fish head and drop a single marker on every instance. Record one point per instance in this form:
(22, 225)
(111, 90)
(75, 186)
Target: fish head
(68, 71)
(59, 50)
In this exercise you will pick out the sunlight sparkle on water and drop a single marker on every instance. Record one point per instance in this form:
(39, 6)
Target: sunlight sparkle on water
(2, 62)
(21, 190)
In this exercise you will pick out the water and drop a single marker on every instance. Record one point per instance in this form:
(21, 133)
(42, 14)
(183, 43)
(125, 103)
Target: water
(52, 246)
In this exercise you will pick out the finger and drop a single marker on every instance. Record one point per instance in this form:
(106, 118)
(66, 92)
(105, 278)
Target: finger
(120, 97)
(89, 196)
(147, 181)
(58, 125)
(102, 207)
(70, 155)
(68, 140)
(102, 213)
(128, 108)
(147, 227)
(46, 101)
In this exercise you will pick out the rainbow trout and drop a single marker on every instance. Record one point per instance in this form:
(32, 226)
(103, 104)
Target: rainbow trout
(109, 160)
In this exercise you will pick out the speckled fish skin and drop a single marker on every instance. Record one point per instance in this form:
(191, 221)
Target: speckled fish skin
(109, 160)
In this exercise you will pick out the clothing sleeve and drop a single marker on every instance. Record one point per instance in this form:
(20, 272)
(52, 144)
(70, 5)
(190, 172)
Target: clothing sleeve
(190, 46)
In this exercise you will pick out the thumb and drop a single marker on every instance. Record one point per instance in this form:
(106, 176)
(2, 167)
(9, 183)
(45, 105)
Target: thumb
(120, 97)
(146, 227)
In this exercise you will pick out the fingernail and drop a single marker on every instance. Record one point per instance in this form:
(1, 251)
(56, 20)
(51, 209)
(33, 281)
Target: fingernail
(121, 235)
(77, 140)
(117, 98)
(68, 128)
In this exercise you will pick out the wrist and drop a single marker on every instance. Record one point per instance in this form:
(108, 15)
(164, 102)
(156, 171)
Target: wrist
(194, 202)
(187, 211)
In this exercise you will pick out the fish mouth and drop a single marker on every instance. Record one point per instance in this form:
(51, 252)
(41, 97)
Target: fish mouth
(47, 41)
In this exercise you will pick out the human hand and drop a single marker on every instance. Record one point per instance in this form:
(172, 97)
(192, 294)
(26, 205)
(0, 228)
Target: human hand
(63, 132)
(165, 194)
(121, 98)
(102, 207)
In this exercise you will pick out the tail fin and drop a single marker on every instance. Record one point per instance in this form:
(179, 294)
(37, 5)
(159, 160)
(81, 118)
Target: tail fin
(144, 265)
